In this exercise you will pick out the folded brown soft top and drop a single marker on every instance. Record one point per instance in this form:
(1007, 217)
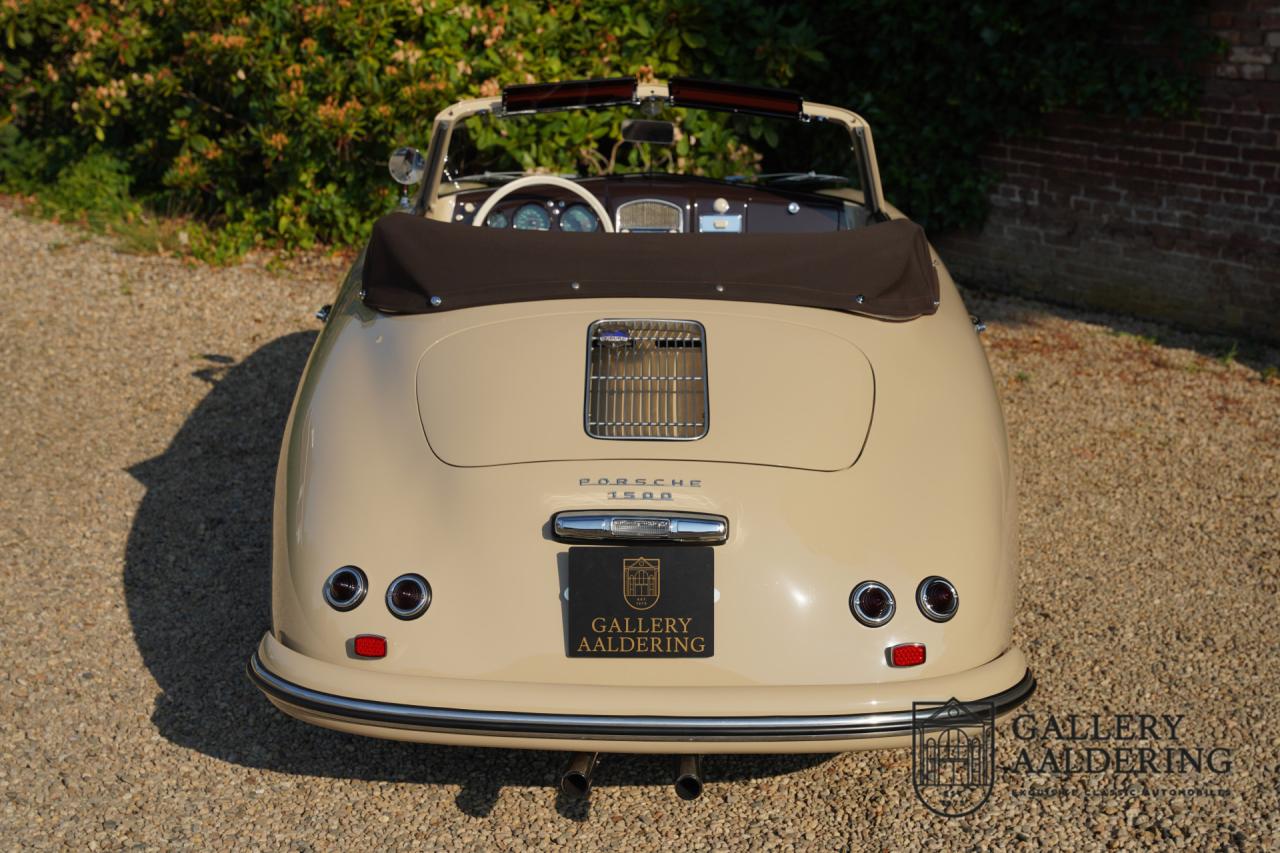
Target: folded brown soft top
(882, 270)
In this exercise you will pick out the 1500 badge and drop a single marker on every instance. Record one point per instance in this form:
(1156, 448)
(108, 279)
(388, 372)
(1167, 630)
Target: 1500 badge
(639, 488)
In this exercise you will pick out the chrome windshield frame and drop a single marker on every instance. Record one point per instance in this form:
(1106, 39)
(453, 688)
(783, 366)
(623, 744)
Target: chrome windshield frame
(445, 122)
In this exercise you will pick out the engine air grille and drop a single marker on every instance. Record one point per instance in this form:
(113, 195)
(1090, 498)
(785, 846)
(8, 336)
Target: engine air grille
(649, 214)
(646, 379)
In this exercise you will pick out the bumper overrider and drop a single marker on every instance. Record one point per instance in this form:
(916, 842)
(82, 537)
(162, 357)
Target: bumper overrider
(644, 731)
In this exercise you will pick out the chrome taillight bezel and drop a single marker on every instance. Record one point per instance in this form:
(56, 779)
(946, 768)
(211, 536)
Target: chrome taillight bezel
(422, 606)
(362, 589)
(929, 611)
(855, 606)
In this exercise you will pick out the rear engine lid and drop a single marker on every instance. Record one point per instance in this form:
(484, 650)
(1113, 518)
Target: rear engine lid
(711, 387)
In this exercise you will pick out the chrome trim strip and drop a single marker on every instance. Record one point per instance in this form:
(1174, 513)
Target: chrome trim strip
(598, 727)
(641, 526)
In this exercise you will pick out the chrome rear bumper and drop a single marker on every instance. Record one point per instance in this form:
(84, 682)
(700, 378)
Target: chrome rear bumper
(597, 727)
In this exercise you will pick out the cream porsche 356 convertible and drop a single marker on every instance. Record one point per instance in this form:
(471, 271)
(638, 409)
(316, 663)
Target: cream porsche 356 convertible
(691, 449)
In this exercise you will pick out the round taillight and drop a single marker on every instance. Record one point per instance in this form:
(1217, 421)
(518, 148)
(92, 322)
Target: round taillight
(345, 588)
(409, 596)
(872, 603)
(937, 598)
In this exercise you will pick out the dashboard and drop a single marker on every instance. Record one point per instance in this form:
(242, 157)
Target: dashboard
(662, 204)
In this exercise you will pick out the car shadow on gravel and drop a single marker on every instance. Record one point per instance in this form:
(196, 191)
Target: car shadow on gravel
(197, 584)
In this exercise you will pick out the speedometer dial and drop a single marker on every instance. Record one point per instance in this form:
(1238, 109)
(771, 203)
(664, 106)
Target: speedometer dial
(579, 218)
(531, 217)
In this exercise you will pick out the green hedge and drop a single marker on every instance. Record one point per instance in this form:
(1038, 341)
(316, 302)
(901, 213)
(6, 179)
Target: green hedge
(272, 120)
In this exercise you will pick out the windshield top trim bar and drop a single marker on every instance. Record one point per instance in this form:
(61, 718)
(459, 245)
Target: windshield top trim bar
(571, 94)
(734, 97)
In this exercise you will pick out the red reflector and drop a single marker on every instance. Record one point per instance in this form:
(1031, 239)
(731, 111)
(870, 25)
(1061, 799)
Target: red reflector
(907, 654)
(569, 94)
(371, 646)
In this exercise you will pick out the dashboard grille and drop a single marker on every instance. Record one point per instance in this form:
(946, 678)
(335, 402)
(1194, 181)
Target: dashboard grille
(646, 379)
(649, 214)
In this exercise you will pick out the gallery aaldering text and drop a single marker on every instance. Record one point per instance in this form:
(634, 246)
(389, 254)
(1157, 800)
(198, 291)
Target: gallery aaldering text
(1099, 743)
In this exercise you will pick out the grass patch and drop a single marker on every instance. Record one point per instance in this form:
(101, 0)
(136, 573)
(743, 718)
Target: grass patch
(1228, 356)
(1142, 340)
(94, 194)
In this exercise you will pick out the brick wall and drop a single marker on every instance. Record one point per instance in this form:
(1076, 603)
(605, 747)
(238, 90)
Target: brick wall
(1173, 220)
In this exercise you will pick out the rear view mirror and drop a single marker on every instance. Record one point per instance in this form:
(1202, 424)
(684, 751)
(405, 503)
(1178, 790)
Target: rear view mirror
(407, 166)
(650, 131)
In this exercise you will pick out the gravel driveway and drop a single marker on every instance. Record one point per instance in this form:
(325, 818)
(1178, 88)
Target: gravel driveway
(143, 401)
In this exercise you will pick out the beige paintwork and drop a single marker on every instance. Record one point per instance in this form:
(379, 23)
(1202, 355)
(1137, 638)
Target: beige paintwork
(466, 394)
(841, 448)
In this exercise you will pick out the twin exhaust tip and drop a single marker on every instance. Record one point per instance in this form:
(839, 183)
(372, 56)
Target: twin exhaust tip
(688, 781)
(575, 781)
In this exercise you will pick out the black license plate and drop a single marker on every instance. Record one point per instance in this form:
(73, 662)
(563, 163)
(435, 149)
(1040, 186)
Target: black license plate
(641, 602)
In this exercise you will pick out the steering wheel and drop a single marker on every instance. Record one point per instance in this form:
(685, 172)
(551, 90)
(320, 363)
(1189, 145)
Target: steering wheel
(543, 180)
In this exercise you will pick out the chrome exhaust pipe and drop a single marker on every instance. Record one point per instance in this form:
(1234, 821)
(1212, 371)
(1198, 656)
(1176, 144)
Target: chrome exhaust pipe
(575, 781)
(688, 781)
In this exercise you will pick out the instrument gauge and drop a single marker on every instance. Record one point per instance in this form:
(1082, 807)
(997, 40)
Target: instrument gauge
(497, 219)
(579, 218)
(532, 217)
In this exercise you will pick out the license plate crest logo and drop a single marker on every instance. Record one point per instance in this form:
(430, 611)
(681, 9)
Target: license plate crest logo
(953, 755)
(641, 582)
